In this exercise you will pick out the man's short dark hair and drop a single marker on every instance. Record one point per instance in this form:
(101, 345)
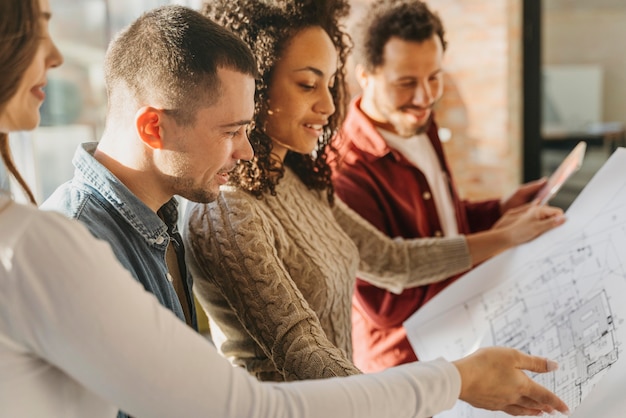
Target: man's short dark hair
(409, 20)
(170, 55)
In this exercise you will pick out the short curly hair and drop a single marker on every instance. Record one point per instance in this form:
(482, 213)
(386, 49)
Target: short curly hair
(267, 27)
(409, 20)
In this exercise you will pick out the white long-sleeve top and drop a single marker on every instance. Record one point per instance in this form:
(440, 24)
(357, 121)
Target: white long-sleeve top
(80, 338)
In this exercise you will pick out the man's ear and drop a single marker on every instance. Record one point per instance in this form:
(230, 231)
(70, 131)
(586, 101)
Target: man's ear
(149, 125)
(361, 75)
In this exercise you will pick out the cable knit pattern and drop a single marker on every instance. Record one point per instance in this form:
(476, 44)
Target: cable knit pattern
(397, 264)
(276, 276)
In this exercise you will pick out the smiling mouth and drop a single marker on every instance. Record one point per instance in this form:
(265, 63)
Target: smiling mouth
(422, 110)
(223, 177)
(38, 92)
(315, 129)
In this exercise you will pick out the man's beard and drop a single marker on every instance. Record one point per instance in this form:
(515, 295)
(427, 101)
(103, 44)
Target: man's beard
(407, 131)
(426, 126)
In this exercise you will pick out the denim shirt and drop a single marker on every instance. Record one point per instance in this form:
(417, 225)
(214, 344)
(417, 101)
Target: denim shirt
(137, 235)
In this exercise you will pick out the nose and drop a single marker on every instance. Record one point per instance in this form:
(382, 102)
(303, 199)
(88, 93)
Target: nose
(325, 105)
(243, 149)
(54, 58)
(423, 95)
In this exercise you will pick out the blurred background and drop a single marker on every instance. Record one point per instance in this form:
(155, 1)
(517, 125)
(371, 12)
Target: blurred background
(525, 80)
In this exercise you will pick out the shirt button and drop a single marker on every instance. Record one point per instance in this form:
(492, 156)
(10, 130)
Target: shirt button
(438, 234)
(159, 240)
(170, 278)
(426, 195)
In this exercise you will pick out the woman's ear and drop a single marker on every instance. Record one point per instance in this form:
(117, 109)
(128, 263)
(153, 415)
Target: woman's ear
(149, 126)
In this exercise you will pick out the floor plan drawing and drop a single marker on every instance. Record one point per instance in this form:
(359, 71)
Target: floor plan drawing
(562, 296)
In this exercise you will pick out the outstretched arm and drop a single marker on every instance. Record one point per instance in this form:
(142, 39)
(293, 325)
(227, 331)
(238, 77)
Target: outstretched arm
(84, 316)
(396, 264)
(88, 328)
(493, 378)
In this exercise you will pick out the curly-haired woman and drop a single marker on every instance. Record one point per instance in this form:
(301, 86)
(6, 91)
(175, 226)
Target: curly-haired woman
(275, 257)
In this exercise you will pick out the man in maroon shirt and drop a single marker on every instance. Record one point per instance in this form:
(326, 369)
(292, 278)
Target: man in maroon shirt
(393, 171)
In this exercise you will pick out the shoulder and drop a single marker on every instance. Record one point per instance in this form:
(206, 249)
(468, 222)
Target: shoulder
(230, 205)
(56, 253)
(43, 232)
(70, 199)
(356, 178)
(221, 234)
(84, 204)
(235, 213)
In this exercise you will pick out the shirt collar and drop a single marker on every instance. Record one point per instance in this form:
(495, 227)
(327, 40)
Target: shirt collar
(370, 140)
(129, 206)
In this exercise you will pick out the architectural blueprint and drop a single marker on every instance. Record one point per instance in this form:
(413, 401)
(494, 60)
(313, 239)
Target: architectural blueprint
(561, 296)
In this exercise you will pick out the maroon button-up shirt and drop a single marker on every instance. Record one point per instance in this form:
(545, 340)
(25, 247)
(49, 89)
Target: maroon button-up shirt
(386, 189)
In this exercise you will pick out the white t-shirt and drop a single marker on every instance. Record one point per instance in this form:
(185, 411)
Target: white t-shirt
(420, 152)
(80, 338)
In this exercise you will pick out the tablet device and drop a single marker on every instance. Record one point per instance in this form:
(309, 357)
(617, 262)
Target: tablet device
(569, 166)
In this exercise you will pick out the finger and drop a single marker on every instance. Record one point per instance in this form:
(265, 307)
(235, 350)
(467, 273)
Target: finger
(543, 212)
(521, 208)
(549, 211)
(539, 182)
(553, 221)
(534, 186)
(521, 411)
(535, 363)
(554, 217)
(529, 403)
(518, 209)
(540, 226)
(543, 396)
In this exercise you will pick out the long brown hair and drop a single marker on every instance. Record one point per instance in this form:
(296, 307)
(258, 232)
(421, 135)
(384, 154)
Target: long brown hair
(19, 39)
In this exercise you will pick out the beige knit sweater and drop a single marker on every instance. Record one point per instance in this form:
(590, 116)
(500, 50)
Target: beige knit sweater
(276, 276)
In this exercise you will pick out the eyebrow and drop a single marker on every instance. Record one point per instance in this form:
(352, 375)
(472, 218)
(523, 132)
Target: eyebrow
(410, 77)
(314, 70)
(46, 15)
(238, 123)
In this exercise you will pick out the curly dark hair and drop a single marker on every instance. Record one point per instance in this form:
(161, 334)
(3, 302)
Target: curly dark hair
(267, 27)
(409, 20)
